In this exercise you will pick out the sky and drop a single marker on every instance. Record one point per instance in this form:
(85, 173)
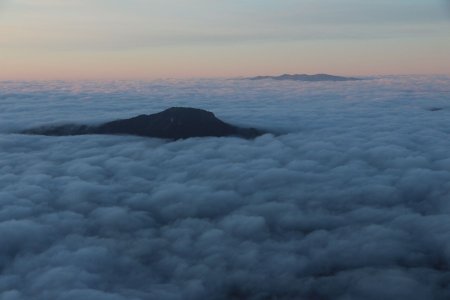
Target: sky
(150, 39)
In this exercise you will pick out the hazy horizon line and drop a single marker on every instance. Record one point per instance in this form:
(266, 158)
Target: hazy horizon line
(218, 77)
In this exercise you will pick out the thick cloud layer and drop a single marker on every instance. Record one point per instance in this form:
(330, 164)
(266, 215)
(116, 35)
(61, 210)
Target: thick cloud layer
(350, 201)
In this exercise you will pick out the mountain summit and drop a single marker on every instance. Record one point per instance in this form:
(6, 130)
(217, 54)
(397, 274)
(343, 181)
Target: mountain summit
(172, 123)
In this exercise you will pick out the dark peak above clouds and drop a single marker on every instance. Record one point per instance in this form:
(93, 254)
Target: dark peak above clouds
(172, 123)
(306, 77)
(435, 108)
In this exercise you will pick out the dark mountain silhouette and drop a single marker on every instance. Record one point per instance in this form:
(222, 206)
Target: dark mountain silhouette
(305, 77)
(173, 123)
(435, 108)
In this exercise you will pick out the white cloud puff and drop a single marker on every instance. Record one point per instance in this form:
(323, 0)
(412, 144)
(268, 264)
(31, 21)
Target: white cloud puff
(349, 200)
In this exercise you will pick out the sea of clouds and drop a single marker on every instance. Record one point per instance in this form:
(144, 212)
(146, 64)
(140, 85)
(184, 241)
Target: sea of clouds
(347, 199)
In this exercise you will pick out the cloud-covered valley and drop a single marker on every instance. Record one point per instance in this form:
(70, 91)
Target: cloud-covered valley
(348, 200)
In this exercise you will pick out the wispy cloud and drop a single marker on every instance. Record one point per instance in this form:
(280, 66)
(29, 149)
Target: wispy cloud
(152, 23)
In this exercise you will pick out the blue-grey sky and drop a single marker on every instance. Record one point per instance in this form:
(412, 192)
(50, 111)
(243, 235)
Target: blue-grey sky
(106, 39)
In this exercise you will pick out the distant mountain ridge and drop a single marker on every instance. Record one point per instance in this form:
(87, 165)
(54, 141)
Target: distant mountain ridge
(306, 77)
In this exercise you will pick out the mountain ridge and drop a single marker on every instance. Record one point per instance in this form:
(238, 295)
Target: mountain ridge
(172, 123)
(306, 77)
